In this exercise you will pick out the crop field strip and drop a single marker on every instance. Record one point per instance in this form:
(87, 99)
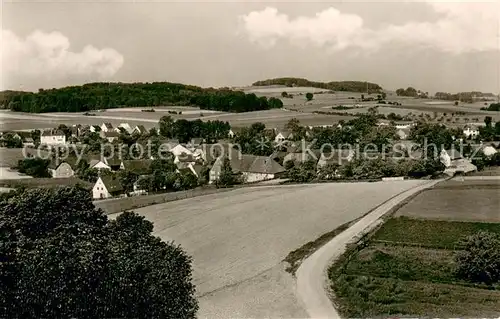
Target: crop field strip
(407, 268)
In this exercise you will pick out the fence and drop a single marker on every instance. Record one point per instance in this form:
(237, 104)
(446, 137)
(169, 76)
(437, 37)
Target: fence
(116, 205)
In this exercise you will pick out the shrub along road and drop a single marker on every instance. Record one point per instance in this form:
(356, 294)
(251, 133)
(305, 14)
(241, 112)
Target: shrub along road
(238, 239)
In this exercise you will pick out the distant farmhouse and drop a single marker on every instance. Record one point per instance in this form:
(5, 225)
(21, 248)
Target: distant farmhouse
(253, 168)
(52, 137)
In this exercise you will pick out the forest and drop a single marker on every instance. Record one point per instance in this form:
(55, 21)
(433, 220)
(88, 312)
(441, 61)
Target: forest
(94, 96)
(348, 86)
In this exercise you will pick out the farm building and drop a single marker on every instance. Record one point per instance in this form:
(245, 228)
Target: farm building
(107, 127)
(52, 137)
(253, 168)
(470, 131)
(140, 130)
(403, 133)
(61, 170)
(126, 127)
(111, 136)
(339, 157)
(106, 187)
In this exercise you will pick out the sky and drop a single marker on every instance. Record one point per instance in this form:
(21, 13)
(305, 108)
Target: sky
(446, 46)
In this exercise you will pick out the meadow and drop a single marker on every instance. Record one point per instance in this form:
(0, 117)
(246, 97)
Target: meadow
(238, 239)
(295, 107)
(407, 266)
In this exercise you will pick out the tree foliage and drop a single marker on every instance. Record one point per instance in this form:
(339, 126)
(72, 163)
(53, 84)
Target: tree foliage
(185, 130)
(62, 257)
(350, 86)
(309, 96)
(226, 178)
(34, 166)
(95, 96)
(479, 261)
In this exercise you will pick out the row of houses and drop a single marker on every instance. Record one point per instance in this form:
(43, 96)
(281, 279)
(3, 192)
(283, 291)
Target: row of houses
(58, 137)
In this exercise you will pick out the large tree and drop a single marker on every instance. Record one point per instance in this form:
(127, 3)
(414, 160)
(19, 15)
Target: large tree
(62, 258)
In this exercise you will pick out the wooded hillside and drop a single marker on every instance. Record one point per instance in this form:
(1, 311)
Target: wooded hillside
(95, 96)
(351, 86)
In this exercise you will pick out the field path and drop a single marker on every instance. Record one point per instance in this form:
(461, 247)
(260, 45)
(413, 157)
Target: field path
(312, 279)
(238, 239)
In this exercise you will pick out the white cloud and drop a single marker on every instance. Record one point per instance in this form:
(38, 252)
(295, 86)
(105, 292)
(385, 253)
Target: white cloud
(462, 27)
(47, 56)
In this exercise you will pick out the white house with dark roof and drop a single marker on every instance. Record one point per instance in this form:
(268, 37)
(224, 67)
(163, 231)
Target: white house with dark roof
(253, 168)
(126, 127)
(470, 131)
(52, 137)
(107, 127)
(106, 187)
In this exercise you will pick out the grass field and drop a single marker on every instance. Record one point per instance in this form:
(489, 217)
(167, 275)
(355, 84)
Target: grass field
(408, 269)
(430, 233)
(45, 182)
(238, 239)
(457, 200)
(10, 156)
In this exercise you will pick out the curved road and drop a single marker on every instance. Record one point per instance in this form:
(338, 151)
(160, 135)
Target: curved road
(312, 279)
(238, 239)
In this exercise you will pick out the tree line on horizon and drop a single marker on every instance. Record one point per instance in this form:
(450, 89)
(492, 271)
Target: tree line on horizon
(349, 86)
(95, 96)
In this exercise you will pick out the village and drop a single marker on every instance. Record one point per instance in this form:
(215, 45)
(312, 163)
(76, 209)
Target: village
(128, 161)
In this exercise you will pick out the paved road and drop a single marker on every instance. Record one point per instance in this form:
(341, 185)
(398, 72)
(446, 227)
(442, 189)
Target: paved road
(312, 279)
(239, 238)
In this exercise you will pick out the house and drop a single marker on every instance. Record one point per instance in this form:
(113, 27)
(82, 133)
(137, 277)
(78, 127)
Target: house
(29, 142)
(106, 163)
(195, 142)
(106, 127)
(139, 167)
(470, 131)
(61, 169)
(126, 127)
(403, 133)
(184, 158)
(178, 150)
(111, 136)
(52, 137)
(282, 136)
(140, 130)
(301, 157)
(78, 129)
(106, 187)
(95, 128)
(234, 131)
(448, 156)
(210, 152)
(121, 130)
(339, 157)
(252, 168)
(462, 165)
(404, 124)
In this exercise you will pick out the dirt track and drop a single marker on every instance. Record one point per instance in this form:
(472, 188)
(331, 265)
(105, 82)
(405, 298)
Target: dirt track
(238, 239)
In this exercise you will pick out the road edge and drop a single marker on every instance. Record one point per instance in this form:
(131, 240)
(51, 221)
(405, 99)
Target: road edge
(312, 276)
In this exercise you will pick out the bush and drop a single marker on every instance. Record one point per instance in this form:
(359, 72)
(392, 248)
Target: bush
(36, 167)
(480, 259)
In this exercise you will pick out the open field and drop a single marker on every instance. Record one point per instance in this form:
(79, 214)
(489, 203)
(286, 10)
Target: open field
(468, 200)
(45, 182)
(430, 233)
(408, 269)
(10, 156)
(238, 239)
(272, 118)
